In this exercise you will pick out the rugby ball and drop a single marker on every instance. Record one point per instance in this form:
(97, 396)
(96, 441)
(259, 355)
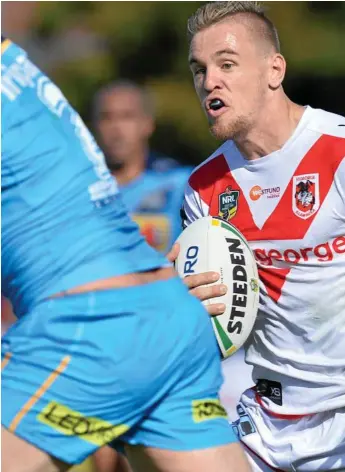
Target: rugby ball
(212, 244)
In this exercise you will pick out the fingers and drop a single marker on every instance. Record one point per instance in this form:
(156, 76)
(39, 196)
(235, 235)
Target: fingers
(198, 287)
(210, 291)
(173, 253)
(215, 309)
(193, 281)
(206, 293)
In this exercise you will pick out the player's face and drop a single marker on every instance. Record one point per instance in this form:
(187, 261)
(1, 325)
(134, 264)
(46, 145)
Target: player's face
(227, 65)
(123, 127)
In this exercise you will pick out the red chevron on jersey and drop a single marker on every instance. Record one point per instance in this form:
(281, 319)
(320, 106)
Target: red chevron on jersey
(290, 206)
(317, 167)
(215, 177)
(322, 160)
(212, 180)
(209, 181)
(205, 179)
(273, 279)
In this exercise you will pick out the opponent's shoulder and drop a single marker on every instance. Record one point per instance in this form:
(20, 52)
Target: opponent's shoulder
(159, 162)
(172, 178)
(213, 168)
(181, 172)
(5, 44)
(327, 123)
(167, 168)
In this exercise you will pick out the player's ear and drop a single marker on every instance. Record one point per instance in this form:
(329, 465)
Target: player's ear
(276, 71)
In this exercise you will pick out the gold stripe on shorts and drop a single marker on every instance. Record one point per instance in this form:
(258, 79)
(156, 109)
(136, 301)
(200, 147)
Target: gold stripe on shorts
(39, 393)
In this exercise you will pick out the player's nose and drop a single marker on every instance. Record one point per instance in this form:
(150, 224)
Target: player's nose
(211, 80)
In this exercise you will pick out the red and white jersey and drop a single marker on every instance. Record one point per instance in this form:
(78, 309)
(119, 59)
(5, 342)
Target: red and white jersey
(290, 206)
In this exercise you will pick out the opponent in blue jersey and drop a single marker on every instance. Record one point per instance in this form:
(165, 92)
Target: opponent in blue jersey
(152, 185)
(93, 300)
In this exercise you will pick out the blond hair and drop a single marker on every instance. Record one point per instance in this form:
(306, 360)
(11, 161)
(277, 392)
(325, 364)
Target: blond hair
(214, 12)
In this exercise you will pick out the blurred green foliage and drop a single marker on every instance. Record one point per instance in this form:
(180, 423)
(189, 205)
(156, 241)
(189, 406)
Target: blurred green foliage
(146, 42)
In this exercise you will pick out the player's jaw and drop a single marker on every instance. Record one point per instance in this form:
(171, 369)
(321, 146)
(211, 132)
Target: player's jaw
(225, 123)
(214, 113)
(237, 115)
(215, 104)
(225, 127)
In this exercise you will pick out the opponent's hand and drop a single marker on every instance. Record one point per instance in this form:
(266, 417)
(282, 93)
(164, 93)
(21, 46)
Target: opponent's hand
(198, 285)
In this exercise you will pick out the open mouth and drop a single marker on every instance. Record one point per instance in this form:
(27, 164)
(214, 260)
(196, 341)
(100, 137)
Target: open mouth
(216, 104)
(215, 107)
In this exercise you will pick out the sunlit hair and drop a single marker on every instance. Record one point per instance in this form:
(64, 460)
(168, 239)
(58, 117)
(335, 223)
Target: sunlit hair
(214, 12)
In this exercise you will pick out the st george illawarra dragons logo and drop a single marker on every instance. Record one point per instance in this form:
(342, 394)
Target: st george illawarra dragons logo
(306, 195)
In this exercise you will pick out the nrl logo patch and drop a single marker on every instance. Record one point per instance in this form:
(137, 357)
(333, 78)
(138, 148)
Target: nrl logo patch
(228, 203)
(305, 195)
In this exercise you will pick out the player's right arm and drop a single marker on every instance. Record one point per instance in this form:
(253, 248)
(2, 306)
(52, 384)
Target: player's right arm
(192, 209)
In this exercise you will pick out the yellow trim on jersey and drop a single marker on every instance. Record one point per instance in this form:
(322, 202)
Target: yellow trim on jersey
(6, 360)
(5, 44)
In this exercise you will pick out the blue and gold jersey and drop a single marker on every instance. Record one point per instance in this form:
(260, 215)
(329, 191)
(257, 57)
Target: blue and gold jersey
(63, 220)
(154, 200)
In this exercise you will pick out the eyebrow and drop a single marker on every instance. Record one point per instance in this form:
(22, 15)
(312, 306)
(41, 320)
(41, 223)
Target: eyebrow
(228, 51)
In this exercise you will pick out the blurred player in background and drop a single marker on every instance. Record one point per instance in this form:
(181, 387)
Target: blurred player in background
(282, 171)
(152, 188)
(94, 301)
(152, 185)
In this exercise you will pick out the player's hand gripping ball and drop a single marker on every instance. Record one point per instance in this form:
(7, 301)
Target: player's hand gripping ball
(212, 244)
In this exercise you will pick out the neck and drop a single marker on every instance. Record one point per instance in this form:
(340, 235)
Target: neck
(131, 169)
(274, 126)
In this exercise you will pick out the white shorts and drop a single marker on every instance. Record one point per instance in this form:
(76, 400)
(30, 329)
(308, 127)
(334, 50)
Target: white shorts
(306, 444)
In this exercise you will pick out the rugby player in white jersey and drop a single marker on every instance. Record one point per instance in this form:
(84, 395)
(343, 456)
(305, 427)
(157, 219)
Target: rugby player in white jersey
(279, 178)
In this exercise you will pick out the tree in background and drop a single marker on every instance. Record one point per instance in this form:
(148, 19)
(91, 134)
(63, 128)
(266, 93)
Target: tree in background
(83, 45)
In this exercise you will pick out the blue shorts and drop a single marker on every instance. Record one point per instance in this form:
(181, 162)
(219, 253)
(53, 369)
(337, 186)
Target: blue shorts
(138, 363)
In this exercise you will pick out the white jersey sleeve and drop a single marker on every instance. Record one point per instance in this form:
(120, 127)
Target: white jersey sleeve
(330, 124)
(193, 207)
(200, 187)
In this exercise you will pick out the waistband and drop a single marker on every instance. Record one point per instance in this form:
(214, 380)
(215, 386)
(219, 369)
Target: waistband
(118, 299)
